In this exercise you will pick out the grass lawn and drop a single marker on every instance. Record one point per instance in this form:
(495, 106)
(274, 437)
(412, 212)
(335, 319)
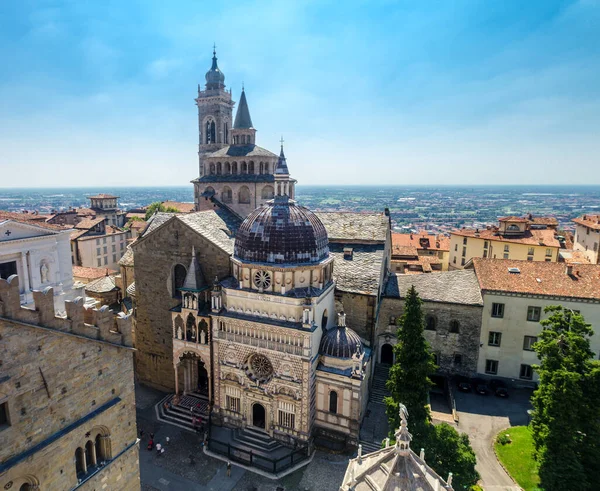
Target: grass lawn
(517, 457)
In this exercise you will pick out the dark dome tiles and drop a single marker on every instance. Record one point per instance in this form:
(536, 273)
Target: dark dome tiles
(340, 342)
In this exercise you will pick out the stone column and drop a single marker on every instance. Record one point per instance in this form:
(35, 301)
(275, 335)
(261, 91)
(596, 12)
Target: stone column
(93, 454)
(105, 447)
(176, 379)
(25, 272)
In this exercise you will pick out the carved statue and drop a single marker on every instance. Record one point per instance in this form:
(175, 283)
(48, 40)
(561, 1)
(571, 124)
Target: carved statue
(44, 272)
(202, 337)
(179, 333)
(403, 413)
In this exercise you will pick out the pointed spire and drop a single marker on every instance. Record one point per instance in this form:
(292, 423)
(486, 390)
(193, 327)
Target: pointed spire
(194, 279)
(242, 117)
(282, 167)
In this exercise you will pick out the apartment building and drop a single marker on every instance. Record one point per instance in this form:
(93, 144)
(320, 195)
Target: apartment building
(419, 253)
(515, 294)
(587, 237)
(97, 245)
(515, 238)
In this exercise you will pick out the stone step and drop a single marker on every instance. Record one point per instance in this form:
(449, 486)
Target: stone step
(180, 415)
(257, 434)
(246, 440)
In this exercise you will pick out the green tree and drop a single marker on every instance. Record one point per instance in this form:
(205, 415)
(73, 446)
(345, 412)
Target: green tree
(566, 422)
(409, 381)
(448, 451)
(158, 206)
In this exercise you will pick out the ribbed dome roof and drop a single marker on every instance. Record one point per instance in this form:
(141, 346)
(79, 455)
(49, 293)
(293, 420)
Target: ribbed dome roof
(215, 78)
(340, 342)
(281, 232)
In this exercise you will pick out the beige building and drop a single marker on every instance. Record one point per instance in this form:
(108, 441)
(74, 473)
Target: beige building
(515, 294)
(515, 238)
(97, 245)
(587, 237)
(65, 432)
(106, 206)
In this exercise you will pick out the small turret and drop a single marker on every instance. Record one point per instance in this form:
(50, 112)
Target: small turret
(215, 79)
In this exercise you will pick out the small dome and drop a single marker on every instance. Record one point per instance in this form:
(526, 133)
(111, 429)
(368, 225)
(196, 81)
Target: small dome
(214, 77)
(281, 232)
(340, 342)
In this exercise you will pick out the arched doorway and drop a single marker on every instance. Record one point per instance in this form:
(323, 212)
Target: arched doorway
(387, 354)
(258, 415)
(202, 378)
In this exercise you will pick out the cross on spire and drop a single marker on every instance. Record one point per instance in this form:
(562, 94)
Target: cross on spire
(214, 48)
(281, 141)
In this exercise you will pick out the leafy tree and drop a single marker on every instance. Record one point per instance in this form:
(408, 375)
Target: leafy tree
(566, 422)
(448, 451)
(409, 380)
(158, 206)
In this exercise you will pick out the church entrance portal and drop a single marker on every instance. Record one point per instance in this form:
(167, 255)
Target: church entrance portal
(387, 354)
(258, 415)
(202, 378)
(191, 372)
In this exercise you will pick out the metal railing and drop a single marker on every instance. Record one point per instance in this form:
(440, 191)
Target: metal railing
(261, 343)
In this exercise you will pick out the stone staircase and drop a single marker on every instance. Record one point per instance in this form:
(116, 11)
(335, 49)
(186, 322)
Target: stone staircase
(258, 442)
(180, 415)
(378, 390)
(369, 447)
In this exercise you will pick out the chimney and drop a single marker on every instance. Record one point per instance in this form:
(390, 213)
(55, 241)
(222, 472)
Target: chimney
(569, 270)
(386, 212)
(348, 253)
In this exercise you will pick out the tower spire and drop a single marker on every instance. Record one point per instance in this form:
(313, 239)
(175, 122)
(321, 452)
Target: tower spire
(242, 116)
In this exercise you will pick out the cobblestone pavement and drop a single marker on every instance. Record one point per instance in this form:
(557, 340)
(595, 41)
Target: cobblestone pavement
(172, 471)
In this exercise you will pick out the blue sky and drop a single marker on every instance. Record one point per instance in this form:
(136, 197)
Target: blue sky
(364, 92)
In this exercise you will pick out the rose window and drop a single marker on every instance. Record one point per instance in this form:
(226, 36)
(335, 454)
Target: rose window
(262, 280)
(259, 368)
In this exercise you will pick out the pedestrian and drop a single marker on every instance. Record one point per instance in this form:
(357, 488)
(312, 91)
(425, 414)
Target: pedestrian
(168, 440)
(228, 469)
(151, 436)
(158, 448)
(141, 433)
(150, 444)
(162, 451)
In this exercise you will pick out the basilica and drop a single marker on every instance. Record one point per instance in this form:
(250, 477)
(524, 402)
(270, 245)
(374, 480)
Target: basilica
(254, 308)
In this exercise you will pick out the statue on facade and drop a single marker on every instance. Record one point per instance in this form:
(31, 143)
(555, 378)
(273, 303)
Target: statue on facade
(44, 272)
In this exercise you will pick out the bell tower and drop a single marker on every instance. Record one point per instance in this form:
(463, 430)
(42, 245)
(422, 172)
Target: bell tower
(215, 109)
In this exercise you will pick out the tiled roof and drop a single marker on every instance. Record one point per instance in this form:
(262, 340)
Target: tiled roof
(404, 250)
(91, 273)
(157, 220)
(28, 219)
(362, 273)
(131, 290)
(460, 287)
(513, 219)
(181, 207)
(105, 284)
(359, 227)
(131, 215)
(237, 178)
(574, 257)
(241, 151)
(78, 233)
(550, 221)
(85, 212)
(138, 224)
(541, 237)
(421, 240)
(590, 221)
(127, 259)
(88, 223)
(538, 278)
(102, 196)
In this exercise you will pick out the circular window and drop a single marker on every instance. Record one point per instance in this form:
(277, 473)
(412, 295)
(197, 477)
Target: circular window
(262, 280)
(259, 368)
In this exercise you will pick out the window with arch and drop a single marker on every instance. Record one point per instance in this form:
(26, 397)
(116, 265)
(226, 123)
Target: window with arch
(219, 168)
(234, 168)
(212, 169)
(80, 467)
(209, 190)
(227, 195)
(244, 195)
(179, 274)
(513, 228)
(227, 168)
(210, 132)
(454, 326)
(244, 168)
(190, 328)
(251, 167)
(261, 168)
(430, 323)
(226, 132)
(333, 402)
(267, 192)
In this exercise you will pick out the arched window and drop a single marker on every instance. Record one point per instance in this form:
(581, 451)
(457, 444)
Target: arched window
(90, 454)
(267, 192)
(227, 168)
(234, 168)
(80, 467)
(219, 169)
(212, 132)
(25, 487)
(333, 402)
(100, 454)
(226, 132)
(210, 190)
(203, 328)
(251, 167)
(454, 326)
(179, 274)
(227, 195)
(261, 168)
(190, 328)
(212, 169)
(266, 167)
(244, 168)
(244, 195)
(324, 320)
(430, 323)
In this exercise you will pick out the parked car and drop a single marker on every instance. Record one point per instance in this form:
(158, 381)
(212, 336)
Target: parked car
(499, 388)
(481, 387)
(463, 384)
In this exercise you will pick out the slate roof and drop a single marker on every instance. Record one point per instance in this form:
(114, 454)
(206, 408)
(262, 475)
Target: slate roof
(242, 116)
(360, 274)
(249, 150)
(460, 287)
(538, 278)
(105, 284)
(360, 227)
(340, 342)
(127, 259)
(237, 178)
(131, 290)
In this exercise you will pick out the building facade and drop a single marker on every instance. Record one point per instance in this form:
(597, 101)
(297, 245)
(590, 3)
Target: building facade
(419, 253)
(515, 238)
(587, 237)
(62, 432)
(515, 294)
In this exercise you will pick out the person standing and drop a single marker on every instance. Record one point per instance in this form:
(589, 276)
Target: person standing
(228, 469)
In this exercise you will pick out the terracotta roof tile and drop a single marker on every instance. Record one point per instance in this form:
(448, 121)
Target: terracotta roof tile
(513, 219)
(590, 221)
(88, 223)
(180, 207)
(539, 278)
(27, 218)
(421, 240)
(91, 273)
(541, 237)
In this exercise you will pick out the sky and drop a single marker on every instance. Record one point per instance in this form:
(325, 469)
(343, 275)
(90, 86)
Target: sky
(363, 92)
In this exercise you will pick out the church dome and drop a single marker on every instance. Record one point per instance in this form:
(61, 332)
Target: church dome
(340, 342)
(214, 77)
(281, 232)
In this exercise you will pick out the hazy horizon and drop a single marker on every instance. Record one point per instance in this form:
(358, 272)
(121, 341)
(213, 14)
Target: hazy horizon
(464, 93)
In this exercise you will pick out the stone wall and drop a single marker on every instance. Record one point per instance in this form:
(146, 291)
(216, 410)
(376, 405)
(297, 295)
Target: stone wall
(62, 390)
(360, 313)
(444, 343)
(155, 257)
(243, 209)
